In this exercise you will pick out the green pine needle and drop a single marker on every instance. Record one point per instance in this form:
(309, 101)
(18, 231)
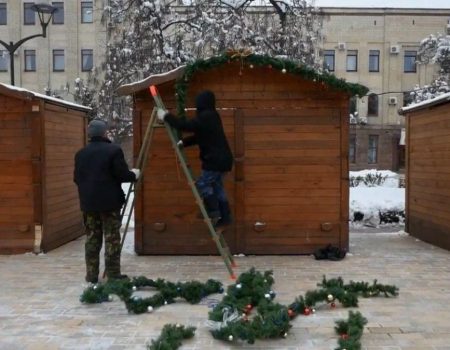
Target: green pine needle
(171, 337)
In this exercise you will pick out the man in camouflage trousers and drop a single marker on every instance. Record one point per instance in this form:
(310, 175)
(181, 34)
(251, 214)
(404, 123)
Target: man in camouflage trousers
(100, 169)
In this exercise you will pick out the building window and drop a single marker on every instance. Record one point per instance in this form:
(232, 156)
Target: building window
(87, 60)
(4, 60)
(372, 105)
(58, 61)
(30, 60)
(374, 60)
(352, 60)
(328, 60)
(29, 16)
(352, 149)
(3, 16)
(372, 152)
(58, 16)
(87, 11)
(410, 61)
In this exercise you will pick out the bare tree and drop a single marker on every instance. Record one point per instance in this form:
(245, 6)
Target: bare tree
(153, 36)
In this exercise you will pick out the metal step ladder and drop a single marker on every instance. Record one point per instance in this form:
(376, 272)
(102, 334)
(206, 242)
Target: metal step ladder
(216, 236)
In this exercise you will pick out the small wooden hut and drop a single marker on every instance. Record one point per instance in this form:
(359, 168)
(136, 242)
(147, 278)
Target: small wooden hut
(39, 135)
(428, 170)
(288, 128)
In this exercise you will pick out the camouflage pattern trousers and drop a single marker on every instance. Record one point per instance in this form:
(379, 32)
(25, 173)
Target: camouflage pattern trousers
(99, 224)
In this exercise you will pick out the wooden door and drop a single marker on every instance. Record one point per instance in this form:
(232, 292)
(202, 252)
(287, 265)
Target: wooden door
(290, 182)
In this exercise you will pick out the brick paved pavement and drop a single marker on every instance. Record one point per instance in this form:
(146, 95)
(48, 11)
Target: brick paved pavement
(39, 307)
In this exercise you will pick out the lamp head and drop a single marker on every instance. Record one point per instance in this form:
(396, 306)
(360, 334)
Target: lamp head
(45, 13)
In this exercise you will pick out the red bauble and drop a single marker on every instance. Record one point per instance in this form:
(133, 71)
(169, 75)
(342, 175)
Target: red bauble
(344, 336)
(249, 307)
(291, 313)
(333, 305)
(307, 311)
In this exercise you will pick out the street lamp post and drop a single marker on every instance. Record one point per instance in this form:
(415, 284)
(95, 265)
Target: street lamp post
(45, 13)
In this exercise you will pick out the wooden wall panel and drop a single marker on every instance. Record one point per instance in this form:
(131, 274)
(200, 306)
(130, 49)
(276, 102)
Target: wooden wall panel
(428, 168)
(288, 140)
(64, 135)
(16, 193)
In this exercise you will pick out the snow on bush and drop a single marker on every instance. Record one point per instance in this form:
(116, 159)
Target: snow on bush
(376, 197)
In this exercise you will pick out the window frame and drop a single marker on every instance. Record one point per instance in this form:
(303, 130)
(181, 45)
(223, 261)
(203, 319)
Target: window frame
(332, 54)
(87, 5)
(4, 8)
(377, 55)
(371, 149)
(5, 55)
(405, 56)
(56, 4)
(352, 53)
(54, 55)
(83, 52)
(371, 112)
(26, 54)
(27, 7)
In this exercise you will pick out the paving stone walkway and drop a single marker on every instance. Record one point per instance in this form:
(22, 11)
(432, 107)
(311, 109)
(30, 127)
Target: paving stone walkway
(39, 306)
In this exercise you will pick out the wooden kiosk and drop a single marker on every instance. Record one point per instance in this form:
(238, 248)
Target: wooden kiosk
(428, 170)
(39, 135)
(288, 129)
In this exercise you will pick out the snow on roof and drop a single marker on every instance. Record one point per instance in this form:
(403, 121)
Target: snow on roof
(28, 94)
(427, 103)
(154, 79)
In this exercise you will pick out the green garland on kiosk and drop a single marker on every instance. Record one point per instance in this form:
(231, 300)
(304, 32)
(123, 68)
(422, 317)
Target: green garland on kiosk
(192, 292)
(246, 57)
(171, 337)
(231, 319)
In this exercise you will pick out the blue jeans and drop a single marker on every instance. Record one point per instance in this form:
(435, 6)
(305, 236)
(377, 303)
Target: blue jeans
(209, 183)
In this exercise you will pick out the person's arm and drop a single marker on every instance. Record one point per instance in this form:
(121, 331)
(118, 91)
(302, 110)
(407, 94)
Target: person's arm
(182, 124)
(120, 168)
(189, 141)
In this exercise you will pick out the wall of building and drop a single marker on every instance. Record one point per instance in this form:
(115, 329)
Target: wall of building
(379, 29)
(72, 37)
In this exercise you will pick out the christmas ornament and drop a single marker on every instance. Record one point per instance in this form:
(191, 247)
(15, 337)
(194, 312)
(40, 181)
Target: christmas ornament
(291, 313)
(267, 296)
(284, 335)
(252, 66)
(344, 336)
(333, 305)
(110, 297)
(238, 286)
(330, 297)
(307, 311)
(249, 307)
(230, 337)
(283, 71)
(150, 309)
(134, 288)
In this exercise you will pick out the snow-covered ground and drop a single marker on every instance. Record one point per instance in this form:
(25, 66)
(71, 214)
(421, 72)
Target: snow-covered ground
(371, 200)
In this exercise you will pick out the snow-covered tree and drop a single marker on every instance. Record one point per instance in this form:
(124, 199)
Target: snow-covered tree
(434, 49)
(153, 36)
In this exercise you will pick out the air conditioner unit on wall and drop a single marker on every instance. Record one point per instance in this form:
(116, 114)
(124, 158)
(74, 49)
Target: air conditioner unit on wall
(392, 101)
(395, 49)
(341, 46)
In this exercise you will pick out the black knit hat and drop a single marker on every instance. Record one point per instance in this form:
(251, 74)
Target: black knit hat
(97, 127)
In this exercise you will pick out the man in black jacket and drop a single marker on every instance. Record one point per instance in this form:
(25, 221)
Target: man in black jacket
(100, 168)
(215, 153)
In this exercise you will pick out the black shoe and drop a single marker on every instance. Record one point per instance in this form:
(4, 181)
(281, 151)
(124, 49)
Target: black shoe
(118, 277)
(91, 280)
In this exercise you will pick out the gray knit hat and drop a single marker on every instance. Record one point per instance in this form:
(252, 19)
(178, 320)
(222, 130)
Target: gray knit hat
(97, 127)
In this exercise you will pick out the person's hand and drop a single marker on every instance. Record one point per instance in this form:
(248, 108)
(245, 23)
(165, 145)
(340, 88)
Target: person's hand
(161, 114)
(136, 172)
(180, 144)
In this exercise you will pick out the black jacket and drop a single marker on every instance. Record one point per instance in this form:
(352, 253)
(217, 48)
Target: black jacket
(100, 168)
(215, 153)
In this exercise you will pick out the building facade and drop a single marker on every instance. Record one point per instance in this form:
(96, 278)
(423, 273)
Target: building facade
(378, 48)
(75, 43)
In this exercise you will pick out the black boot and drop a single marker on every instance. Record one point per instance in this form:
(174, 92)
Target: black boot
(212, 207)
(225, 214)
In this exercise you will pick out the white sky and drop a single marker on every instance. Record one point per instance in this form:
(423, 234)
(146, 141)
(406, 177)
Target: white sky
(385, 3)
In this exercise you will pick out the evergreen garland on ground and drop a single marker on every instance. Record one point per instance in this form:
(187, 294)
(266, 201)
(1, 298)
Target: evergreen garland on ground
(171, 337)
(231, 319)
(246, 57)
(192, 292)
(350, 331)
